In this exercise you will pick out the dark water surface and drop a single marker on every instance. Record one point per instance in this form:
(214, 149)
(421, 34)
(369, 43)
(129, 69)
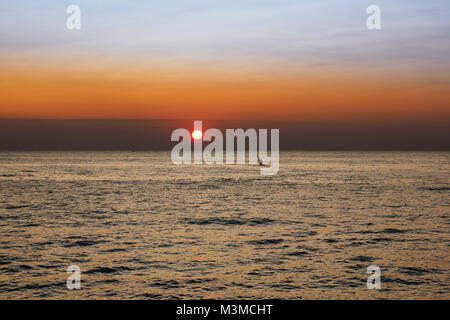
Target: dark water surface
(140, 227)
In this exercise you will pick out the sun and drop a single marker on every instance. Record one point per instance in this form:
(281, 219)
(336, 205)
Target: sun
(197, 135)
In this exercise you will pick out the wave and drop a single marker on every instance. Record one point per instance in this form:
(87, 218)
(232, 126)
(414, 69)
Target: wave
(228, 221)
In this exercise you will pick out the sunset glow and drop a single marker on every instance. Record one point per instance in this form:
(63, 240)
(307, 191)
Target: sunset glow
(274, 61)
(197, 135)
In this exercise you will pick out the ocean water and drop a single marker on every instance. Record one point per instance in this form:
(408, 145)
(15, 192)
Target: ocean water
(140, 227)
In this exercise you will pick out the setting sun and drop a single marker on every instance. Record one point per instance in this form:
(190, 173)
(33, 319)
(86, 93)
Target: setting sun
(197, 135)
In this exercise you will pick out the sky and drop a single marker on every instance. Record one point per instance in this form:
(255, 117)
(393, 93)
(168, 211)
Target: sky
(261, 59)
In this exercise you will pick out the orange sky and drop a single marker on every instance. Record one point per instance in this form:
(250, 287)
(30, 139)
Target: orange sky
(313, 67)
(287, 60)
(52, 90)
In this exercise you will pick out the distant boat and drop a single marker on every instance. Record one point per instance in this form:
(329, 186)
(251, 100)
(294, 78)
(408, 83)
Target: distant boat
(261, 164)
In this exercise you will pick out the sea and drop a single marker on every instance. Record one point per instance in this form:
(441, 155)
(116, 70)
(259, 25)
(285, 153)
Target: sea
(138, 226)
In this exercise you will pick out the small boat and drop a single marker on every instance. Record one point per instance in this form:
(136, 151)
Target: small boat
(261, 164)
